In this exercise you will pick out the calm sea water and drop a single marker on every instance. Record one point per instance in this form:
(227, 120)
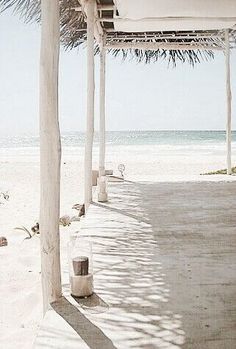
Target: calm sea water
(129, 138)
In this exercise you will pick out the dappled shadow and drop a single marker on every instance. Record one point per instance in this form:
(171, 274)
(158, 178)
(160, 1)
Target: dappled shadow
(164, 262)
(164, 267)
(109, 207)
(129, 275)
(194, 224)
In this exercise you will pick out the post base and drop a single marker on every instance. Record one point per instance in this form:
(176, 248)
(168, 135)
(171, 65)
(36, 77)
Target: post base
(81, 285)
(102, 197)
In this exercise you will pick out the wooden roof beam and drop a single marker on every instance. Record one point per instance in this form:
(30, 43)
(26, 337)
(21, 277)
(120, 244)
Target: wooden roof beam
(161, 45)
(167, 19)
(99, 8)
(164, 37)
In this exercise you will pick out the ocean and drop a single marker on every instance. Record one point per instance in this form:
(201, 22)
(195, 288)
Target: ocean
(114, 138)
(144, 153)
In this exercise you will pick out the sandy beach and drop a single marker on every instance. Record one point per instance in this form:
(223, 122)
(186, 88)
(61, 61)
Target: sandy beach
(20, 288)
(83, 77)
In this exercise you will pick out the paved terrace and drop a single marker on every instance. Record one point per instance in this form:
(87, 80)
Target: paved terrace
(165, 271)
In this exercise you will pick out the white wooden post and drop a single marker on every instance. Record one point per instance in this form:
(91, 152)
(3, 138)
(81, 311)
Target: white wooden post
(90, 7)
(102, 194)
(50, 153)
(102, 129)
(229, 98)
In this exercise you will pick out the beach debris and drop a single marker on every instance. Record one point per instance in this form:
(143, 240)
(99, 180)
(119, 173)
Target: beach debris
(80, 208)
(3, 241)
(28, 232)
(223, 171)
(35, 228)
(121, 168)
(65, 221)
(5, 196)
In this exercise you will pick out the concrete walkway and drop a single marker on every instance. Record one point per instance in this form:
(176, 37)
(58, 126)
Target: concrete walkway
(165, 271)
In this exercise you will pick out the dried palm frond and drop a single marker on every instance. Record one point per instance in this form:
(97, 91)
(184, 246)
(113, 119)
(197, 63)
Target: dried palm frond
(73, 34)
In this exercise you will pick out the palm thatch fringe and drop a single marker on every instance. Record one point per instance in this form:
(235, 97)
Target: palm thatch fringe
(172, 56)
(73, 34)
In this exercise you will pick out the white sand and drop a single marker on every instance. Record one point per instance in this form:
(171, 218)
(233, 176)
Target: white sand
(20, 289)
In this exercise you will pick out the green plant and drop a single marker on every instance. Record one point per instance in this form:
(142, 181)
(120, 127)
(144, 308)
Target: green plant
(223, 171)
(30, 233)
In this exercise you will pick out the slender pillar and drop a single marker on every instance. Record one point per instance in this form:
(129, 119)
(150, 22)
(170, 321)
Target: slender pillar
(229, 98)
(50, 153)
(90, 6)
(102, 129)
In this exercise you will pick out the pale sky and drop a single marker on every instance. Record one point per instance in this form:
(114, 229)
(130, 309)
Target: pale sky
(139, 96)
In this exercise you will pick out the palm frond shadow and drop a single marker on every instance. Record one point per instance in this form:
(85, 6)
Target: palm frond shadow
(122, 212)
(129, 276)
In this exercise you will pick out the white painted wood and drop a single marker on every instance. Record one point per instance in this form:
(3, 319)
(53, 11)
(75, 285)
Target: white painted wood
(99, 7)
(171, 23)
(98, 26)
(149, 36)
(169, 8)
(141, 15)
(102, 128)
(229, 100)
(90, 104)
(161, 45)
(98, 30)
(183, 35)
(169, 19)
(102, 194)
(50, 153)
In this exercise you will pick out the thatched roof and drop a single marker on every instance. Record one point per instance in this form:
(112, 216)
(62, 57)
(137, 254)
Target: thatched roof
(73, 33)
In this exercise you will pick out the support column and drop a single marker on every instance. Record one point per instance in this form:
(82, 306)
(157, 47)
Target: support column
(90, 6)
(50, 153)
(102, 129)
(102, 193)
(229, 98)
